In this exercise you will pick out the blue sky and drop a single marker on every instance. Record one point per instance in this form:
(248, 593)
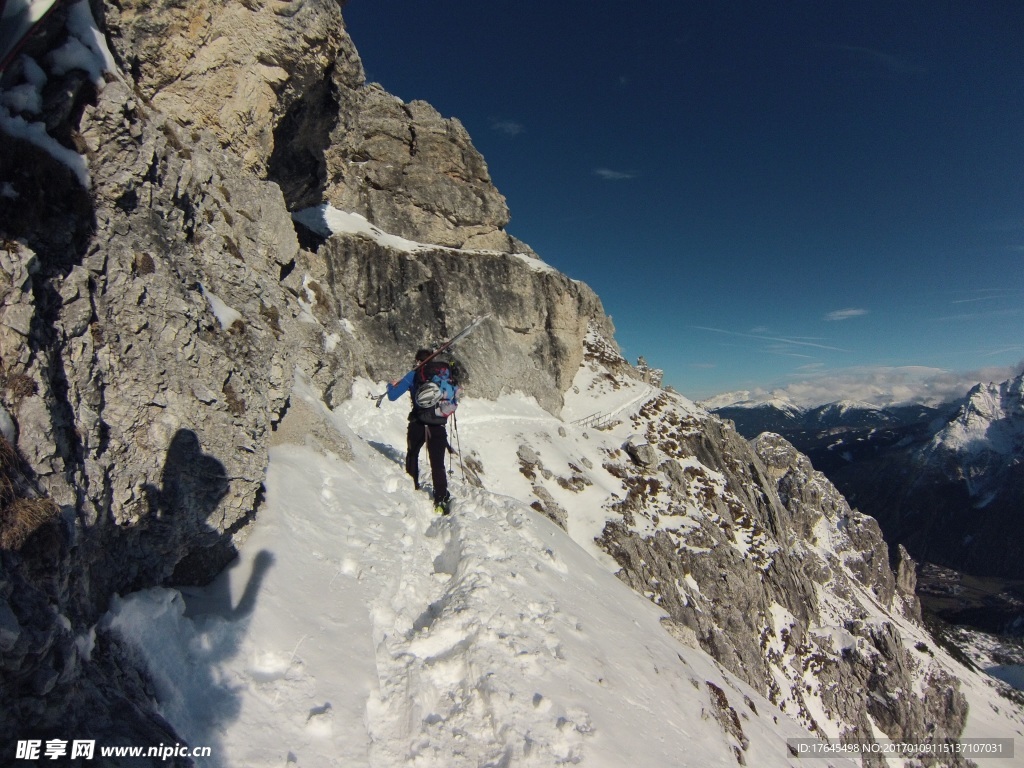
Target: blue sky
(761, 193)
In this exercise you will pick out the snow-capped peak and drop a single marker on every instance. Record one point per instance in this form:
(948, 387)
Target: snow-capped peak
(746, 399)
(990, 421)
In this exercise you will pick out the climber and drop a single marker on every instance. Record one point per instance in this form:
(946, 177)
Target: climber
(435, 392)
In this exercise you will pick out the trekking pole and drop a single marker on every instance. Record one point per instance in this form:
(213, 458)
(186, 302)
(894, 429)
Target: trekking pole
(458, 446)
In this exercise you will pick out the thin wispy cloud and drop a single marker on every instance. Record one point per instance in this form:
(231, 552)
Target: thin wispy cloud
(845, 314)
(781, 352)
(795, 341)
(986, 294)
(984, 304)
(810, 368)
(1014, 312)
(1004, 350)
(609, 175)
(971, 301)
(509, 128)
(886, 61)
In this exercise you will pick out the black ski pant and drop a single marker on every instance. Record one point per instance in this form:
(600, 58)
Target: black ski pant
(436, 438)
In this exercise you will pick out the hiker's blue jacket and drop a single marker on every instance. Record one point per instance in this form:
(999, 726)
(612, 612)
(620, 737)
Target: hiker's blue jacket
(403, 386)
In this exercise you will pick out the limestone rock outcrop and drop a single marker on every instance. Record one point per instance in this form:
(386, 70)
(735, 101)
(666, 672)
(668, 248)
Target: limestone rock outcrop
(397, 302)
(413, 173)
(235, 69)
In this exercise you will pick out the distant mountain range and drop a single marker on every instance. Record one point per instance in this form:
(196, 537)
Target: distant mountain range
(945, 481)
(806, 427)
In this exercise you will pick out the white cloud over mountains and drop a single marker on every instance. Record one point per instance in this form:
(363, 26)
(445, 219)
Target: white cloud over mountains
(880, 386)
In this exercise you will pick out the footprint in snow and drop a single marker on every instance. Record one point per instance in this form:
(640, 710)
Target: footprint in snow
(320, 721)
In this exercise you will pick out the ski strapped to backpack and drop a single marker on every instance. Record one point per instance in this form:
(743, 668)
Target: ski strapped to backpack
(443, 348)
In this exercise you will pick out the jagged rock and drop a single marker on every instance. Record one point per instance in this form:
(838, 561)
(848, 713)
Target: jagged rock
(231, 68)
(811, 498)
(882, 668)
(175, 367)
(148, 338)
(412, 173)
(906, 583)
(528, 455)
(550, 508)
(641, 452)
(17, 305)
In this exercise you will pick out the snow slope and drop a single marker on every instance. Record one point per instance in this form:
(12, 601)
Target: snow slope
(360, 629)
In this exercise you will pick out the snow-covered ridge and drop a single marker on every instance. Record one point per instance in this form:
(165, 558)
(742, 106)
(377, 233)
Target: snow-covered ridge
(876, 387)
(983, 441)
(784, 404)
(746, 399)
(844, 406)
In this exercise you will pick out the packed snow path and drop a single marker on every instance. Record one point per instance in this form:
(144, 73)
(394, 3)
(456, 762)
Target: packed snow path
(448, 634)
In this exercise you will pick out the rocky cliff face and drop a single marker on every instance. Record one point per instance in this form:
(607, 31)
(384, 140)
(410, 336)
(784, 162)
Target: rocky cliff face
(156, 307)
(395, 302)
(156, 304)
